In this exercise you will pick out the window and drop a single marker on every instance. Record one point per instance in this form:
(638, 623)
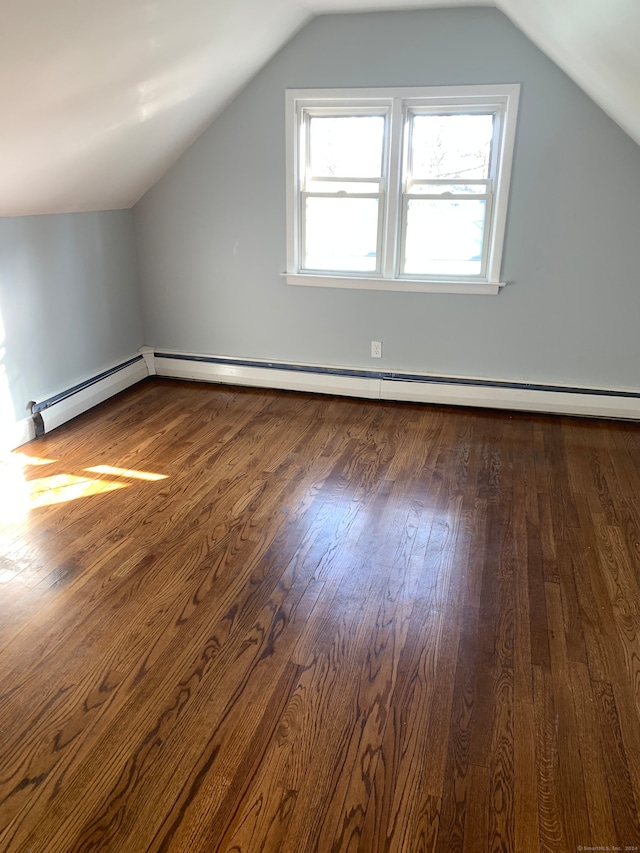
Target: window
(399, 189)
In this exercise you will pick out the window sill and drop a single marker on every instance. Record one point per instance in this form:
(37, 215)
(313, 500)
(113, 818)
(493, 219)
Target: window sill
(396, 284)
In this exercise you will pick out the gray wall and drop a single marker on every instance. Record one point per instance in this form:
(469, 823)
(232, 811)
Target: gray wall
(68, 299)
(211, 233)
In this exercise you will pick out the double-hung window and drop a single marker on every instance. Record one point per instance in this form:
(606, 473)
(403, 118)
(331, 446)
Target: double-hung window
(399, 189)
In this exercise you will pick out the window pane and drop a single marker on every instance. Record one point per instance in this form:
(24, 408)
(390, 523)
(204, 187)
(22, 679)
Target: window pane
(341, 234)
(444, 237)
(451, 146)
(346, 146)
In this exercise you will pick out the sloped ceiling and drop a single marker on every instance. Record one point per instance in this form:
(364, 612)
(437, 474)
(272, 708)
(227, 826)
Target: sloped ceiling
(98, 98)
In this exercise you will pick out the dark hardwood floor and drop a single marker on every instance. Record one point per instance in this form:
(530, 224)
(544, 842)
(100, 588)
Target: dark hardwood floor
(244, 620)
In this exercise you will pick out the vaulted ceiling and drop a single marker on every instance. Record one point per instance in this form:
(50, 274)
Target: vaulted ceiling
(98, 98)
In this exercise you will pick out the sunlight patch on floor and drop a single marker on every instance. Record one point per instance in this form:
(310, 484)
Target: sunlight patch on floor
(125, 472)
(7, 575)
(23, 460)
(61, 488)
(19, 494)
(14, 492)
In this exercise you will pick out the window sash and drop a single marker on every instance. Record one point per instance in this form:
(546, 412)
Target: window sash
(304, 195)
(411, 112)
(486, 236)
(355, 111)
(410, 182)
(308, 177)
(323, 179)
(448, 182)
(376, 272)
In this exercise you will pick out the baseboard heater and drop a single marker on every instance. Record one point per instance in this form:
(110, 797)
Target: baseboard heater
(408, 387)
(60, 408)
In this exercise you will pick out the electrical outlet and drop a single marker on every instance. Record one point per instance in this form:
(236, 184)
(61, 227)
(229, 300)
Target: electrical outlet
(376, 349)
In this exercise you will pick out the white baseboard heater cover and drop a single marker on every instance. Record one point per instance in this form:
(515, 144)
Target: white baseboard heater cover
(388, 385)
(56, 410)
(59, 408)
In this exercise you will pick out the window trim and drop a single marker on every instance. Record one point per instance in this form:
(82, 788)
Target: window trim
(503, 99)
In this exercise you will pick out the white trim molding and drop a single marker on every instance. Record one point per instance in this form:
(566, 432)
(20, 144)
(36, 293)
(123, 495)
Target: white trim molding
(56, 409)
(147, 354)
(265, 376)
(399, 285)
(395, 182)
(17, 433)
(554, 401)
(621, 404)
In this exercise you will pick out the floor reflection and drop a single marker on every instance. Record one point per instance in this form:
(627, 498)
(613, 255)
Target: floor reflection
(23, 492)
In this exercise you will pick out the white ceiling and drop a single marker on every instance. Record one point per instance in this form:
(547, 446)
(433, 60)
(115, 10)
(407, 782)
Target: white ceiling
(98, 98)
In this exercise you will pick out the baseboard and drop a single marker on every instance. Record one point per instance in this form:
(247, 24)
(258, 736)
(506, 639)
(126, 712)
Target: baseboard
(15, 434)
(287, 378)
(59, 408)
(386, 385)
(554, 401)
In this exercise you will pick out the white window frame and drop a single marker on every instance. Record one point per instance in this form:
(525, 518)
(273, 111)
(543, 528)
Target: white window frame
(398, 104)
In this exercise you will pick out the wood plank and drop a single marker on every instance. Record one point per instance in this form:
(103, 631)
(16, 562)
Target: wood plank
(621, 791)
(552, 829)
(572, 780)
(591, 751)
